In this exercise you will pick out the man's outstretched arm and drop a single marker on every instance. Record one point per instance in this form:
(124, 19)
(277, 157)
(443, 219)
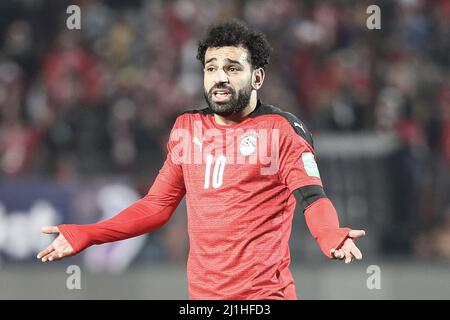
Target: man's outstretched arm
(145, 215)
(300, 173)
(323, 223)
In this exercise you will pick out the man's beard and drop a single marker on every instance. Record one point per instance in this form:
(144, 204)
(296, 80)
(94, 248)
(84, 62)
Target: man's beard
(237, 103)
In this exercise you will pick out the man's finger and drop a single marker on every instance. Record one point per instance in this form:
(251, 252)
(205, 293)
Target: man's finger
(348, 255)
(333, 253)
(356, 233)
(47, 256)
(355, 252)
(337, 254)
(57, 256)
(45, 251)
(53, 257)
(50, 229)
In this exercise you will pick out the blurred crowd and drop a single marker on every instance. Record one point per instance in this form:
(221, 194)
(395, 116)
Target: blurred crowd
(102, 99)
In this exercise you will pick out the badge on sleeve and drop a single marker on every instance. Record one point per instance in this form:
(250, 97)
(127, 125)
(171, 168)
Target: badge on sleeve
(310, 165)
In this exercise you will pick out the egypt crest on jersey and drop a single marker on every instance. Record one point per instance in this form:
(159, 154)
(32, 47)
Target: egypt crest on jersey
(248, 143)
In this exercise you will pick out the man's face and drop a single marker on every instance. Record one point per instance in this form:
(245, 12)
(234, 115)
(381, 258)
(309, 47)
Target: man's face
(227, 79)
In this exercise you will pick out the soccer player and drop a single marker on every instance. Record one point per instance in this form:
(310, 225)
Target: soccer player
(243, 166)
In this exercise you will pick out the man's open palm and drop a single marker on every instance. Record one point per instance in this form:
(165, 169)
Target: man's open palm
(58, 249)
(349, 251)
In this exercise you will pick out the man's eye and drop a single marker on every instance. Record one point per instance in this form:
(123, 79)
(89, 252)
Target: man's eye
(233, 69)
(210, 69)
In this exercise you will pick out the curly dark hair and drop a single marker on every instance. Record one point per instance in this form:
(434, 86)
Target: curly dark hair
(236, 33)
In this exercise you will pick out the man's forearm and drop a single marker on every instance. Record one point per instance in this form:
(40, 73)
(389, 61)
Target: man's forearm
(137, 219)
(321, 218)
(145, 215)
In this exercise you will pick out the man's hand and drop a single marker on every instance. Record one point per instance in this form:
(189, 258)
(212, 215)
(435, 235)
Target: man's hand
(58, 249)
(349, 250)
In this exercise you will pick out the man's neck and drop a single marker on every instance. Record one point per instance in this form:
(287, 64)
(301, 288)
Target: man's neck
(238, 117)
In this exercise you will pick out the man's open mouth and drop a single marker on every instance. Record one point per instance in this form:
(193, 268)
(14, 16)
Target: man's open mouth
(219, 95)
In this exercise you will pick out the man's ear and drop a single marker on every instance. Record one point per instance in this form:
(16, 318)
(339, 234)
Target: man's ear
(258, 78)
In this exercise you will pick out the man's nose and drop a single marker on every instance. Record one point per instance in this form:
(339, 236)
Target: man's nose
(221, 77)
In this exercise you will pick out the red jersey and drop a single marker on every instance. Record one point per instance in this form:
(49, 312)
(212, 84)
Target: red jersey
(239, 182)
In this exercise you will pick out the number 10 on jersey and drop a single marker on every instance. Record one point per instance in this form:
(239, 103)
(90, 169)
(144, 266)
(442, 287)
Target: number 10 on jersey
(219, 168)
